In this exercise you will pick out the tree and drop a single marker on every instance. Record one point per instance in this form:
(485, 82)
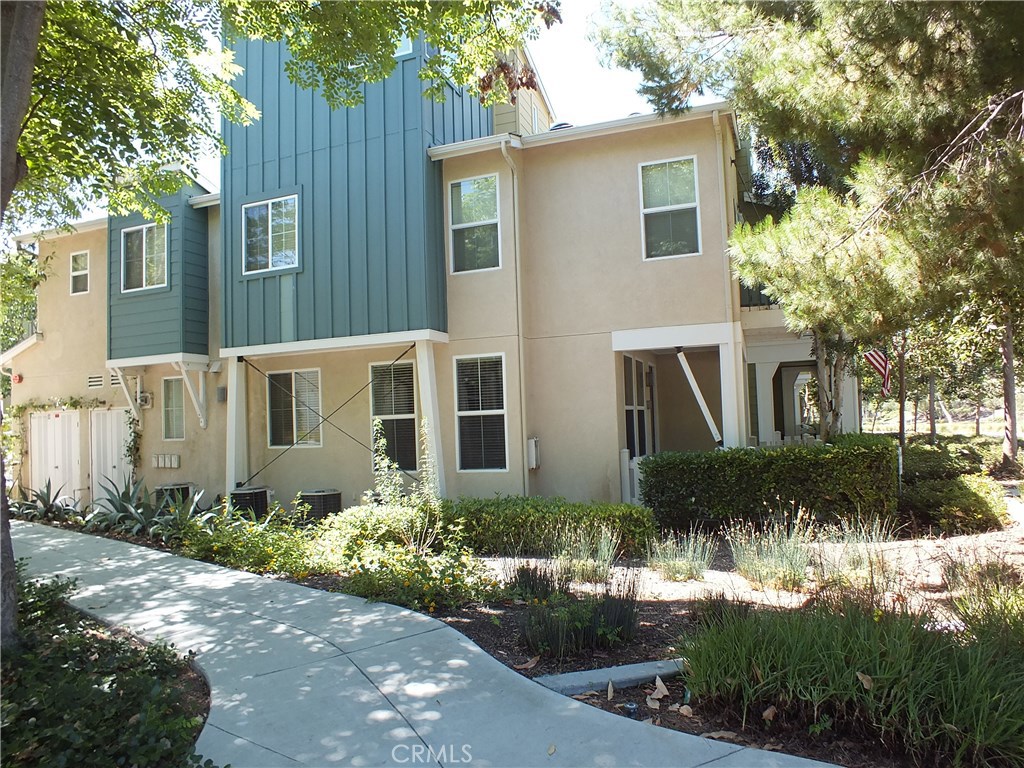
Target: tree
(932, 91)
(101, 98)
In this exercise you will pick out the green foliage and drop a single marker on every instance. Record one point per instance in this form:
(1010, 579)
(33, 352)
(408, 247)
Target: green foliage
(75, 696)
(21, 272)
(942, 697)
(937, 462)
(586, 554)
(682, 557)
(855, 478)
(540, 579)
(520, 525)
(776, 554)
(964, 504)
(565, 625)
(417, 579)
(45, 504)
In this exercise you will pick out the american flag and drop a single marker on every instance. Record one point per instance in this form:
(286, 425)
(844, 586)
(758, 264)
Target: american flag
(878, 360)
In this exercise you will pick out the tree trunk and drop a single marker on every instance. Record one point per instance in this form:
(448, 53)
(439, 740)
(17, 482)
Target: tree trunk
(903, 392)
(8, 573)
(20, 24)
(977, 420)
(932, 431)
(915, 415)
(1009, 394)
(821, 367)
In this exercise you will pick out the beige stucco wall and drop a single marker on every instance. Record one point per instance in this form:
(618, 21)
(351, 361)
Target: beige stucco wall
(681, 424)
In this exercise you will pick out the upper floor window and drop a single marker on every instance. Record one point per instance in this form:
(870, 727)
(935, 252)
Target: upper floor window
(174, 409)
(293, 408)
(393, 401)
(474, 213)
(80, 272)
(143, 257)
(480, 411)
(270, 234)
(404, 47)
(671, 220)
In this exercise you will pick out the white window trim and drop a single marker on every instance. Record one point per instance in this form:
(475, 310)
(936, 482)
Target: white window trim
(404, 47)
(79, 273)
(319, 408)
(452, 227)
(415, 405)
(270, 236)
(145, 237)
(163, 409)
(661, 209)
(458, 413)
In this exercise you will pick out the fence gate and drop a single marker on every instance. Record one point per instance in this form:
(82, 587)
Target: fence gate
(109, 436)
(55, 452)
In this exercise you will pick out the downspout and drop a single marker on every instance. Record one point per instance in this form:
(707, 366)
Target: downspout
(521, 355)
(730, 316)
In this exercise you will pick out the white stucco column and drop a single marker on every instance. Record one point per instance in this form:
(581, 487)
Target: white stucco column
(764, 373)
(427, 379)
(851, 404)
(237, 464)
(730, 363)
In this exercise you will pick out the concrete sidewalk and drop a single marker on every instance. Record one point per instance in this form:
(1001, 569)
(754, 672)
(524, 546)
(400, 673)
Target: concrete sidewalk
(304, 677)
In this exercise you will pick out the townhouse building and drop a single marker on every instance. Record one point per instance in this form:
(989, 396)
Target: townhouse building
(554, 303)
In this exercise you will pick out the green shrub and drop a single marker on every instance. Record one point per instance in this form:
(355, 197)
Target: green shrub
(776, 554)
(74, 695)
(235, 539)
(855, 478)
(586, 554)
(683, 557)
(965, 504)
(417, 579)
(520, 525)
(529, 579)
(942, 697)
(943, 461)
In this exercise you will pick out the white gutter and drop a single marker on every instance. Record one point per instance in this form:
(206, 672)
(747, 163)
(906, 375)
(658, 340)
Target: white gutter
(519, 315)
(205, 201)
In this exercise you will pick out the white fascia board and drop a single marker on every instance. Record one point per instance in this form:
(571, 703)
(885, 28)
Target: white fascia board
(9, 354)
(473, 146)
(205, 201)
(336, 344)
(87, 225)
(179, 357)
(779, 352)
(670, 336)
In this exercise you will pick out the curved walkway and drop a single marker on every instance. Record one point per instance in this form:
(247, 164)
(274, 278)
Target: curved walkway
(304, 677)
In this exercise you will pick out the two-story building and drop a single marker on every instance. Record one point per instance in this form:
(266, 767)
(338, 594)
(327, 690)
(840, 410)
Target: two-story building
(553, 303)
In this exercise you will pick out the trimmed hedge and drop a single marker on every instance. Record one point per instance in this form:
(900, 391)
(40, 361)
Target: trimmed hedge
(965, 504)
(521, 525)
(855, 477)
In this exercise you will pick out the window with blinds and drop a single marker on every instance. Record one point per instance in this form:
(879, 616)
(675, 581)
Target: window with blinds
(293, 408)
(480, 409)
(393, 401)
(174, 409)
(670, 208)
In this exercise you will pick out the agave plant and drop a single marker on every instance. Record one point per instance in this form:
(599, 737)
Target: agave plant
(45, 504)
(176, 516)
(126, 509)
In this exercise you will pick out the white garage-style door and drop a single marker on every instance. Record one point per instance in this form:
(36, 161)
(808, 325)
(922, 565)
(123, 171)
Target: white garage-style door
(55, 452)
(109, 436)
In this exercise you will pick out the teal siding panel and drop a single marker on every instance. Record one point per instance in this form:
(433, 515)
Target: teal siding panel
(195, 279)
(397, 255)
(271, 309)
(358, 297)
(309, 310)
(340, 247)
(376, 237)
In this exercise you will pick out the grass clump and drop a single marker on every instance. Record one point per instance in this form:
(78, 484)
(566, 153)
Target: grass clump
(76, 695)
(586, 554)
(683, 557)
(941, 697)
(776, 554)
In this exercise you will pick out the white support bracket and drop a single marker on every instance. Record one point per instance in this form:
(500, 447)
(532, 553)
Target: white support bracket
(681, 354)
(133, 400)
(198, 398)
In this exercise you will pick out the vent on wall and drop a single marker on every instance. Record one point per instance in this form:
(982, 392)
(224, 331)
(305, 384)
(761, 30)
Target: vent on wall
(94, 382)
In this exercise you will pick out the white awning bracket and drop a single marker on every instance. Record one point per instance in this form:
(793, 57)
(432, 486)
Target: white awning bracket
(198, 398)
(681, 354)
(133, 400)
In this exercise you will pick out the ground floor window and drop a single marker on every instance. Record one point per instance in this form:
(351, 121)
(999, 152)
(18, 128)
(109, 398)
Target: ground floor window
(174, 409)
(393, 401)
(293, 408)
(481, 414)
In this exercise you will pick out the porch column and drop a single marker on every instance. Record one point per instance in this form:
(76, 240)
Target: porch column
(237, 464)
(851, 405)
(730, 362)
(764, 374)
(427, 379)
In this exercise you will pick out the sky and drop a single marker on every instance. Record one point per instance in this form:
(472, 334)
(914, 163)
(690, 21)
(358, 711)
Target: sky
(581, 90)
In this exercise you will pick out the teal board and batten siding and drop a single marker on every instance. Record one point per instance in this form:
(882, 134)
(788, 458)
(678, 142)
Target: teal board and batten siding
(371, 240)
(172, 319)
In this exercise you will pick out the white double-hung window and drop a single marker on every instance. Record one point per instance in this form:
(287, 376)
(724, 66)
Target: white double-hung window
(80, 272)
(393, 401)
(143, 257)
(293, 408)
(671, 215)
(481, 414)
(474, 224)
(270, 235)
(174, 409)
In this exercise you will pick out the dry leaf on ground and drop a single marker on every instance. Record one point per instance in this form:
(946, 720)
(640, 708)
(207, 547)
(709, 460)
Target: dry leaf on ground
(769, 714)
(611, 690)
(866, 681)
(660, 691)
(528, 664)
(653, 703)
(720, 735)
(551, 750)
(686, 710)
